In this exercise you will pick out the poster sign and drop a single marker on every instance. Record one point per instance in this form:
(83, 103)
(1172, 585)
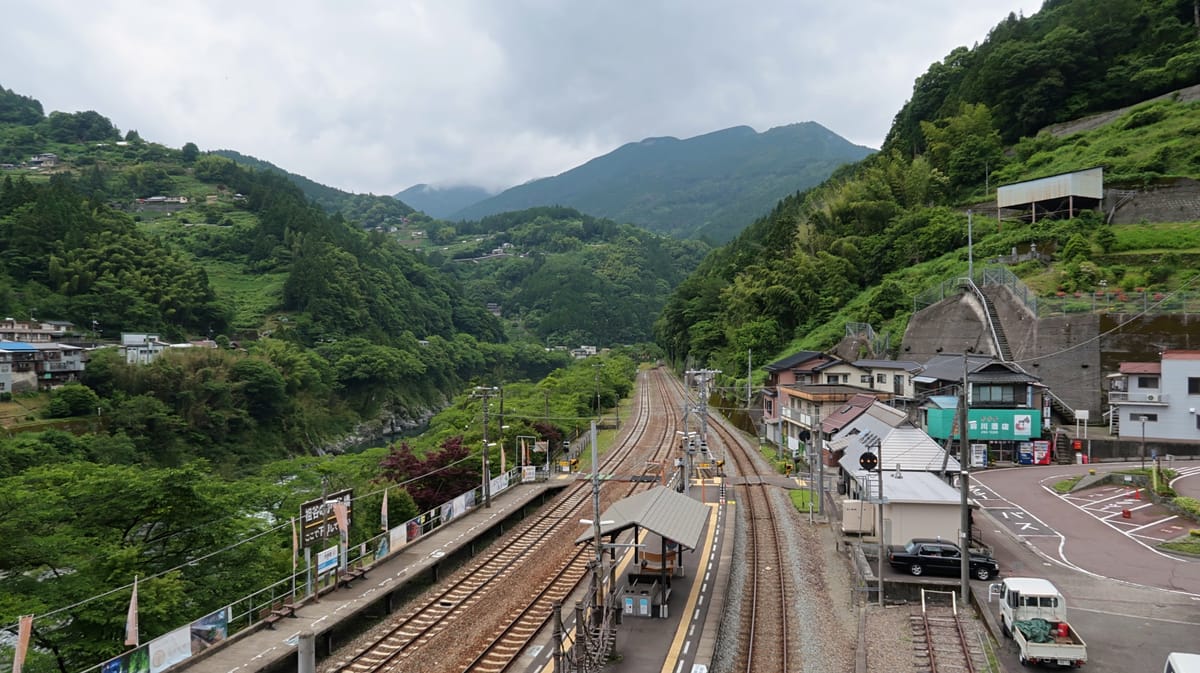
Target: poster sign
(317, 521)
(1022, 425)
(170, 649)
(209, 630)
(327, 560)
(134, 661)
(528, 474)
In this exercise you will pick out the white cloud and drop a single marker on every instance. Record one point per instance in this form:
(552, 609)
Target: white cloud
(376, 95)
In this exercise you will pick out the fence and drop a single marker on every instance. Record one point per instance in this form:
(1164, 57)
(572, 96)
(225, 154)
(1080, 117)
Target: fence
(1102, 300)
(308, 581)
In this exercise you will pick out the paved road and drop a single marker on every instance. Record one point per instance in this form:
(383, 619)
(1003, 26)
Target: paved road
(1132, 603)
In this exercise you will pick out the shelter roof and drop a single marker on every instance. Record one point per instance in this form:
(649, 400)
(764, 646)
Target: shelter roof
(660, 510)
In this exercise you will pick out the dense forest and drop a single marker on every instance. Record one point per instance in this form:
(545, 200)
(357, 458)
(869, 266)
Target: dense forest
(858, 247)
(567, 278)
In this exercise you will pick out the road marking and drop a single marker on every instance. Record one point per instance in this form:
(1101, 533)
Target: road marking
(1151, 619)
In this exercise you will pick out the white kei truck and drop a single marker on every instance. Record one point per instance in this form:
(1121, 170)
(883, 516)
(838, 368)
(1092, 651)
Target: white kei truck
(1023, 599)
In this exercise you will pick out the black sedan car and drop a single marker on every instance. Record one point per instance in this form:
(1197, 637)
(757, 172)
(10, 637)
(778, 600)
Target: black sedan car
(922, 555)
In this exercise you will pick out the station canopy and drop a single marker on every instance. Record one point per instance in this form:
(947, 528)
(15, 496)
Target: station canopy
(662, 511)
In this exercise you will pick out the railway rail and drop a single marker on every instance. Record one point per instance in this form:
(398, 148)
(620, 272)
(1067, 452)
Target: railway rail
(765, 642)
(652, 432)
(940, 640)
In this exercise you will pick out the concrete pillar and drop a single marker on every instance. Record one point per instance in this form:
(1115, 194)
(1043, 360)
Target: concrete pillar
(306, 651)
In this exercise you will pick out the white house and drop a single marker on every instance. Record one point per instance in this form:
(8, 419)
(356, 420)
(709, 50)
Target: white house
(1161, 398)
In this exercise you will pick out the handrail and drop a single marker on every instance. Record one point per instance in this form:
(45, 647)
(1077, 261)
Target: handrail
(1047, 391)
(986, 313)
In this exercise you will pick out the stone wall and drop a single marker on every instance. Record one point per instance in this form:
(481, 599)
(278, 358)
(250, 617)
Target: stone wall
(1176, 200)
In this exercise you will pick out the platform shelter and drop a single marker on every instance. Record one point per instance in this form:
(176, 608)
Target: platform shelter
(676, 522)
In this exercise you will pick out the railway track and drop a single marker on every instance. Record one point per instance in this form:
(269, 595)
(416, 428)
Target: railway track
(467, 597)
(765, 641)
(941, 643)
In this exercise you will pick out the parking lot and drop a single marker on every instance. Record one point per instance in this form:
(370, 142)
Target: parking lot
(1131, 602)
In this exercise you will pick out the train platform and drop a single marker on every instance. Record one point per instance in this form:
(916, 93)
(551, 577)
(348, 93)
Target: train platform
(337, 616)
(685, 640)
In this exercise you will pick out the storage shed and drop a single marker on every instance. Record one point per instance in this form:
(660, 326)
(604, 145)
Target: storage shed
(1065, 193)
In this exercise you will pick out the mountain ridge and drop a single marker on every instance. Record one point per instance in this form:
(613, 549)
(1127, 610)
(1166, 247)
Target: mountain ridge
(442, 202)
(711, 185)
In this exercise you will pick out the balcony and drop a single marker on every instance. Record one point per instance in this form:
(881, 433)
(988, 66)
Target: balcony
(1137, 397)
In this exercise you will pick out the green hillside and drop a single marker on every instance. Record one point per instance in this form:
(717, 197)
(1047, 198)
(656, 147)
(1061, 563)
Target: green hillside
(858, 247)
(710, 186)
(368, 210)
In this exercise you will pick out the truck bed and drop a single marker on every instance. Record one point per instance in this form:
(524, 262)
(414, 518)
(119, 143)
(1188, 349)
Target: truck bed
(1063, 648)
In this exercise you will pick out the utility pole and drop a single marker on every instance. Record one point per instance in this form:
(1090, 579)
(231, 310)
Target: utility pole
(749, 374)
(485, 393)
(970, 249)
(818, 443)
(964, 458)
(882, 545)
(546, 419)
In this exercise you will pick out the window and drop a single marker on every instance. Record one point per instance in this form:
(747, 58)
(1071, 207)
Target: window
(1048, 601)
(881, 378)
(1194, 385)
(1147, 381)
(1138, 418)
(864, 378)
(997, 394)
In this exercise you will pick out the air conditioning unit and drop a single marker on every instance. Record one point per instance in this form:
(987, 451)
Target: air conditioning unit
(1151, 397)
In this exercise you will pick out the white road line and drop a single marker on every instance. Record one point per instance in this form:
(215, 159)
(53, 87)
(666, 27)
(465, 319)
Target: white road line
(1151, 619)
(1154, 523)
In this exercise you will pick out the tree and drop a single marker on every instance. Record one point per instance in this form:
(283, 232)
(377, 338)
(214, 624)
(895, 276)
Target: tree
(189, 153)
(73, 399)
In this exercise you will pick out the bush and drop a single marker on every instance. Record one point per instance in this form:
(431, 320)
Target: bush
(1190, 506)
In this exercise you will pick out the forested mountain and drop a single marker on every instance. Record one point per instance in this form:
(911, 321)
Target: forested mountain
(569, 278)
(442, 202)
(860, 245)
(367, 210)
(710, 186)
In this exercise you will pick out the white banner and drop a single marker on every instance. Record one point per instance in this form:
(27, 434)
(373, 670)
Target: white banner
(170, 649)
(397, 538)
(459, 506)
(529, 473)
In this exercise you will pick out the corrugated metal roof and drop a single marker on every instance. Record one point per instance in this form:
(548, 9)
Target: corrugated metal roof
(909, 486)
(905, 448)
(660, 510)
(1141, 368)
(17, 347)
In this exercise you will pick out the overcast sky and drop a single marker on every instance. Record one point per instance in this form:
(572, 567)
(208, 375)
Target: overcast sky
(377, 95)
